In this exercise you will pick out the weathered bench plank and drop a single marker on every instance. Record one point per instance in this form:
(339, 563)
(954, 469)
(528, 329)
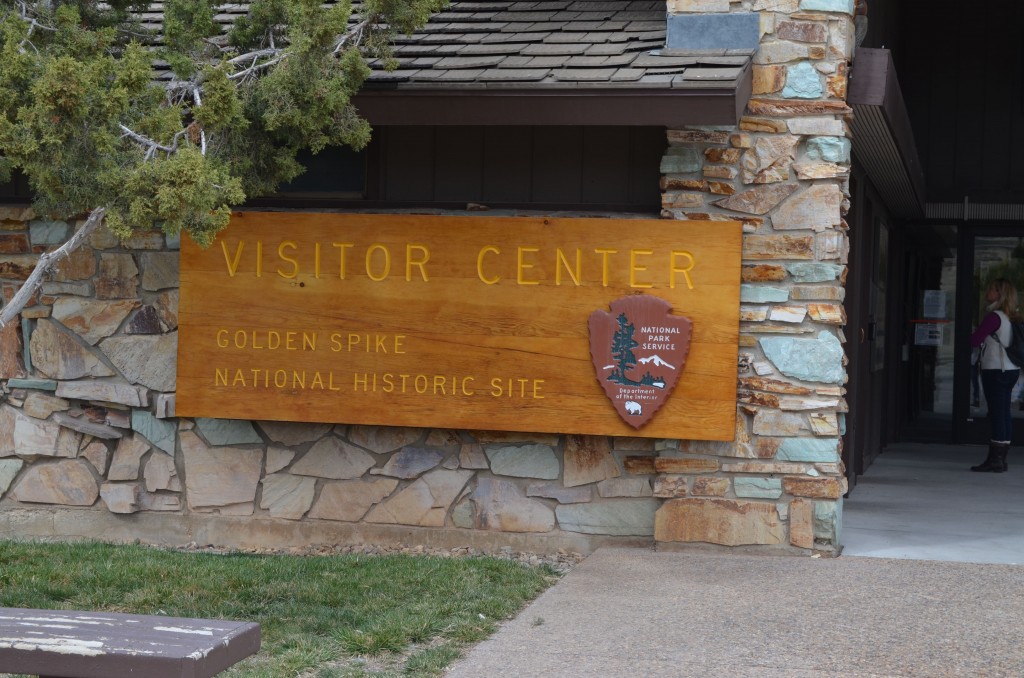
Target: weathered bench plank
(69, 644)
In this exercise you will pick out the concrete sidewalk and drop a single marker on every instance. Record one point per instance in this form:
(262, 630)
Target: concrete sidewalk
(637, 612)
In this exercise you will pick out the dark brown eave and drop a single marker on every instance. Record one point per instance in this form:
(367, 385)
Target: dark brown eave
(883, 140)
(571, 106)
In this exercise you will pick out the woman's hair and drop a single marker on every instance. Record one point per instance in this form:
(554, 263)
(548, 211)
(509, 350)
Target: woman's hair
(1007, 301)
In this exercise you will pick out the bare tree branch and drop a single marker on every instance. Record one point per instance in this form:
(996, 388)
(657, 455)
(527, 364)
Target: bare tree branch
(45, 265)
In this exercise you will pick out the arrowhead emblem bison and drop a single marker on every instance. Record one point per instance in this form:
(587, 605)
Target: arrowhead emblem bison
(639, 350)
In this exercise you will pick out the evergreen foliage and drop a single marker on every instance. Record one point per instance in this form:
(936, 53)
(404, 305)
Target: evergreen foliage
(623, 344)
(173, 129)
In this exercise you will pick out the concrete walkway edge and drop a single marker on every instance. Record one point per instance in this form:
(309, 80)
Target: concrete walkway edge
(638, 612)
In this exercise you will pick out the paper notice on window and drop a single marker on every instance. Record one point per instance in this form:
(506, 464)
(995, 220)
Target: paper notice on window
(928, 334)
(934, 304)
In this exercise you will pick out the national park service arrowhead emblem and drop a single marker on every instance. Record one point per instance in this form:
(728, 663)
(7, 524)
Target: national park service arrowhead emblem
(639, 350)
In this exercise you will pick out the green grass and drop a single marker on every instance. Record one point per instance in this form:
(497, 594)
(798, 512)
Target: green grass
(339, 616)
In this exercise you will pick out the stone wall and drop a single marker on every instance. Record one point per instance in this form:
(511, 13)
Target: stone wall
(89, 445)
(784, 172)
(87, 425)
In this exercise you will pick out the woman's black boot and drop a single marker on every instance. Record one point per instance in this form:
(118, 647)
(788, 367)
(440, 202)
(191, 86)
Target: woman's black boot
(1002, 451)
(991, 463)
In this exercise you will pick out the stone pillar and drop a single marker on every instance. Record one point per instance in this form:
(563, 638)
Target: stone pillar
(784, 173)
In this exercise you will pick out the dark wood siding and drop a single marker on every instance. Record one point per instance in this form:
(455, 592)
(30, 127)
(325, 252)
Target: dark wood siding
(962, 73)
(522, 166)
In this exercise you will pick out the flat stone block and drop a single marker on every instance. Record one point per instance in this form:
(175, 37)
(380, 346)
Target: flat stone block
(410, 462)
(829, 149)
(685, 465)
(624, 487)
(588, 459)
(221, 476)
(801, 523)
(68, 482)
(614, 517)
(58, 354)
(287, 496)
(823, 450)
(87, 427)
(349, 500)
(758, 488)
(828, 521)
(819, 359)
(563, 495)
(844, 6)
(37, 384)
(500, 505)
(802, 82)
(104, 391)
(816, 488)
(528, 461)
(45, 232)
(720, 30)
(9, 469)
(710, 487)
(145, 359)
(681, 160)
(227, 431)
(812, 272)
(157, 431)
(719, 521)
(759, 294)
(425, 502)
(121, 497)
(335, 459)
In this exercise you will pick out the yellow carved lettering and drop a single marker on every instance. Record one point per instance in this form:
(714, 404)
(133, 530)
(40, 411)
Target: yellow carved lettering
(604, 264)
(635, 267)
(521, 265)
(294, 262)
(685, 269)
(418, 263)
(342, 246)
(574, 274)
(480, 265)
(377, 247)
(232, 263)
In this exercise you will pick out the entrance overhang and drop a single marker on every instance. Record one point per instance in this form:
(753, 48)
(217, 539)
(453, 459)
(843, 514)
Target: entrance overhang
(663, 107)
(883, 140)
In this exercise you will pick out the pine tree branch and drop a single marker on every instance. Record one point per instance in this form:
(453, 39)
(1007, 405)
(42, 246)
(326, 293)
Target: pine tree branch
(45, 265)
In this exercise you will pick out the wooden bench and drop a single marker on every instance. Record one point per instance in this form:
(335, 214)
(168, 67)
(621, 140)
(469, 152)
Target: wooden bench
(66, 644)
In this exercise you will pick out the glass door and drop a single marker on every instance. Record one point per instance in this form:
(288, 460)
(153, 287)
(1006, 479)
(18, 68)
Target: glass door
(928, 307)
(996, 255)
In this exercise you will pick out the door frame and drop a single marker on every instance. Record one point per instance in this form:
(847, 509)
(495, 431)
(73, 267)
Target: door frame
(965, 428)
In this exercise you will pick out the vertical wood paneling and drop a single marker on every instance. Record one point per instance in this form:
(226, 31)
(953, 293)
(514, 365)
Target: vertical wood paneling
(557, 171)
(962, 74)
(507, 173)
(646, 146)
(610, 166)
(458, 164)
(969, 105)
(409, 163)
(605, 171)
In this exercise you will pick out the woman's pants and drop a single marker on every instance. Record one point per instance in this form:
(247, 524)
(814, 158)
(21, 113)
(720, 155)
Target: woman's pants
(998, 385)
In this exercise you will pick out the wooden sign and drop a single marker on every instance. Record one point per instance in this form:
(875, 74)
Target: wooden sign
(454, 322)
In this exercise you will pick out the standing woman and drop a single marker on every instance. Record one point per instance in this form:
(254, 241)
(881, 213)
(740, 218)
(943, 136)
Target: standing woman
(998, 373)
